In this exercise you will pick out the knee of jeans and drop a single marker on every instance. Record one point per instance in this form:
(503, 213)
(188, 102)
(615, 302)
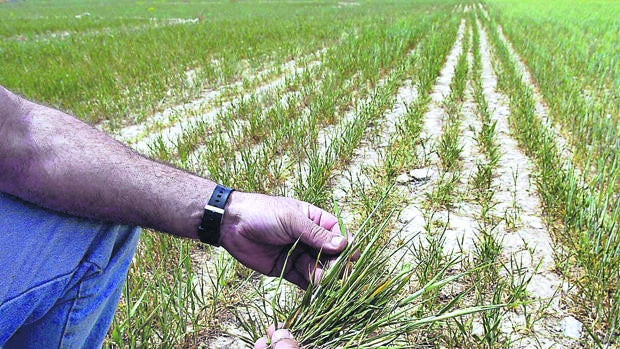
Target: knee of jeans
(102, 272)
(95, 295)
(82, 315)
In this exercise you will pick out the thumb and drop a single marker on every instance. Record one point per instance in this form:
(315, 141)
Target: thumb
(318, 237)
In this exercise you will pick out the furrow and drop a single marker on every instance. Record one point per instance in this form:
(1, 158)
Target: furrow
(436, 114)
(484, 10)
(414, 219)
(325, 137)
(168, 125)
(462, 219)
(370, 151)
(196, 158)
(528, 242)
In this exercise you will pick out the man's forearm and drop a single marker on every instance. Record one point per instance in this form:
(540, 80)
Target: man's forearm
(56, 161)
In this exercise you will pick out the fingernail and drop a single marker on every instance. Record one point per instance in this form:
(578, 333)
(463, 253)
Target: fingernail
(337, 242)
(280, 335)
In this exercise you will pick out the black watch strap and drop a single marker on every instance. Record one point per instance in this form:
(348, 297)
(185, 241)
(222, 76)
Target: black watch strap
(209, 229)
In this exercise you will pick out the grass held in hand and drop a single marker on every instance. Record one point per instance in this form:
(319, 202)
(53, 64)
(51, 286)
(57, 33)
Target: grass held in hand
(366, 303)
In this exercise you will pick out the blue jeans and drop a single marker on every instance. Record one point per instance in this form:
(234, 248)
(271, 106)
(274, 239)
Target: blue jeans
(60, 276)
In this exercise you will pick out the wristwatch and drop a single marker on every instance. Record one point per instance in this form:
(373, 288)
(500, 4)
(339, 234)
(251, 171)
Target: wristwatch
(209, 229)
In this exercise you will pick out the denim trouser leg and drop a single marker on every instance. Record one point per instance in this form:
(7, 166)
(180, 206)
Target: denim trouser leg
(60, 276)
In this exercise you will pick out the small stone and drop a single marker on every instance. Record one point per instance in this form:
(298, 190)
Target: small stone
(477, 329)
(571, 327)
(412, 216)
(339, 194)
(422, 174)
(403, 178)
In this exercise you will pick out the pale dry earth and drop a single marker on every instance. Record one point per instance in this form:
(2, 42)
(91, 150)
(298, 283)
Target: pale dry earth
(418, 182)
(530, 243)
(368, 154)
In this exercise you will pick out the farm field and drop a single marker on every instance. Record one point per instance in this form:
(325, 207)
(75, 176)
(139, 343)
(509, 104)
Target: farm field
(472, 147)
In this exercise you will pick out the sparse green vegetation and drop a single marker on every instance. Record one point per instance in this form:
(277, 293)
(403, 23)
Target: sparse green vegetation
(422, 122)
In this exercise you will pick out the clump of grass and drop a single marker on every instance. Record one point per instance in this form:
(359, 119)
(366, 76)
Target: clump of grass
(449, 150)
(444, 192)
(365, 304)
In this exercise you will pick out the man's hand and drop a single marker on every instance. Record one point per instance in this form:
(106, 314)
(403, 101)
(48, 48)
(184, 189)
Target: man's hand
(260, 230)
(279, 339)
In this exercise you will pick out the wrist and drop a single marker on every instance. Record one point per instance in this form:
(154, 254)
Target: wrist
(232, 219)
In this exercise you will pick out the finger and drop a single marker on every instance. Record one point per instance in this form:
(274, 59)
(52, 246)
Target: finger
(281, 338)
(321, 268)
(327, 221)
(309, 269)
(318, 275)
(297, 278)
(330, 222)
(261, 343)
(286, 344)
(350, 240)
(324, 267)
(313, 270)
(323, 218)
